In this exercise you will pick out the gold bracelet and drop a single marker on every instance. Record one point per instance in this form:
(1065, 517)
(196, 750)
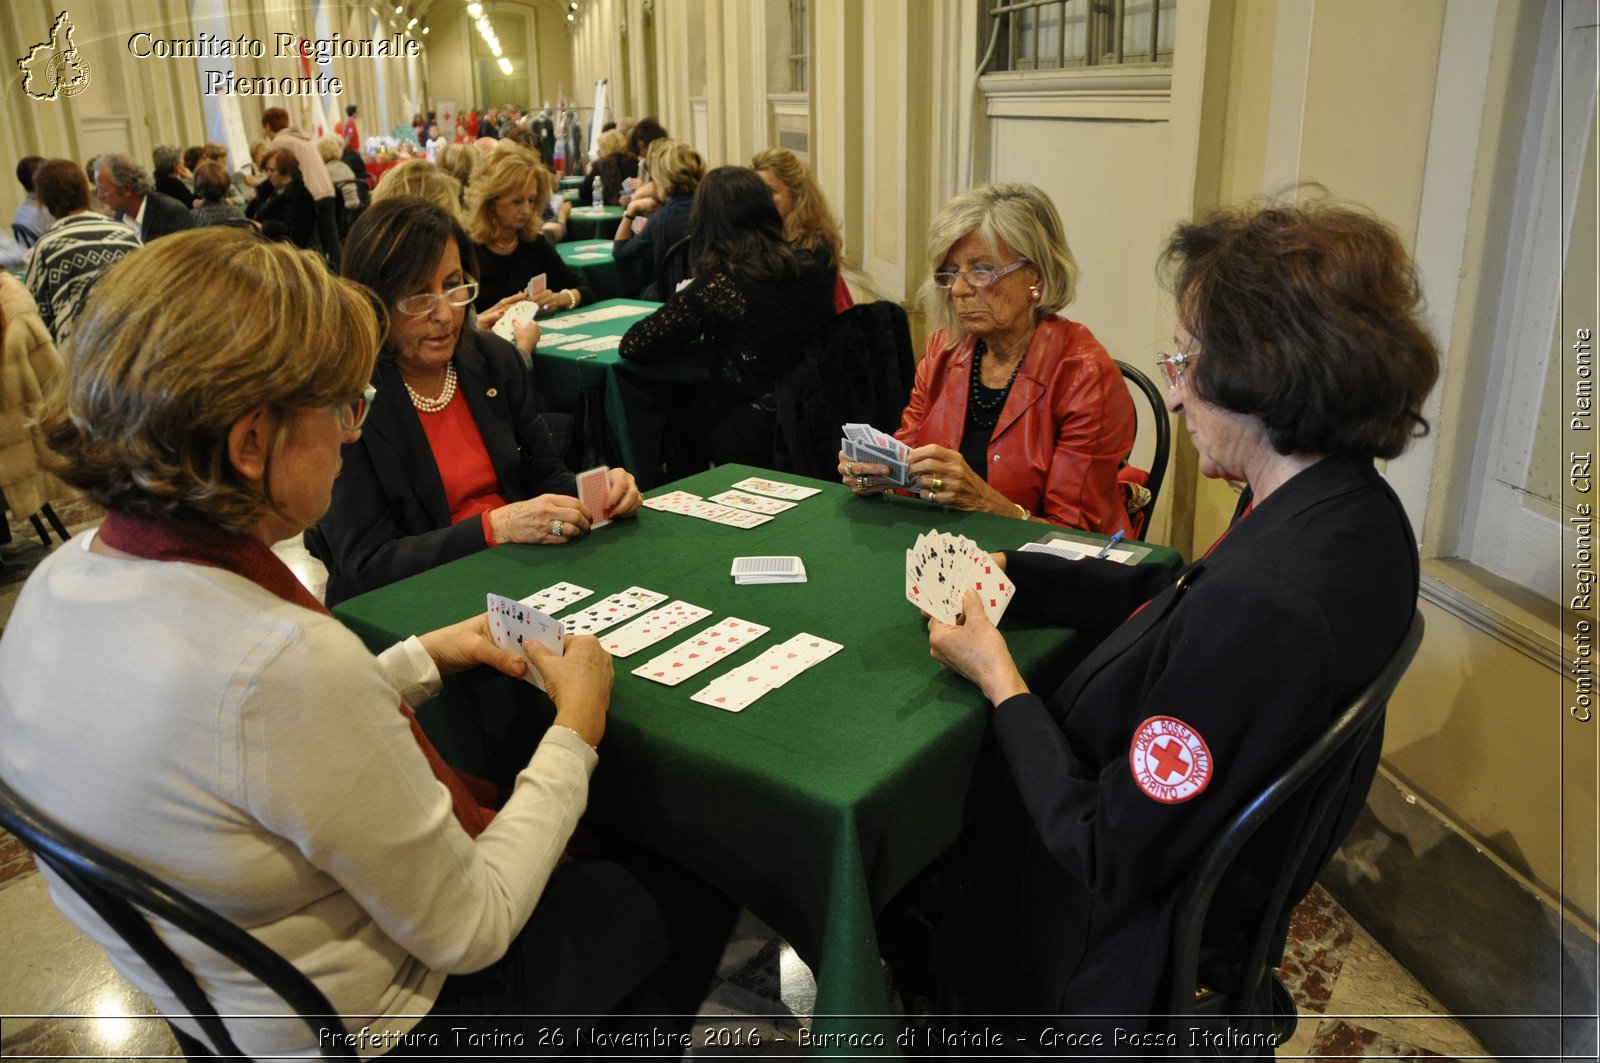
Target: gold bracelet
(1022, 512)
(564, 727)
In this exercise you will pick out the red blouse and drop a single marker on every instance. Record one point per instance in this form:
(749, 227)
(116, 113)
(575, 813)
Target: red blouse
(471, 487)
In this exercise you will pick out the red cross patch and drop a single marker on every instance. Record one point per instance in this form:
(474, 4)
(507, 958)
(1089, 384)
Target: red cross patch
(1169, 759)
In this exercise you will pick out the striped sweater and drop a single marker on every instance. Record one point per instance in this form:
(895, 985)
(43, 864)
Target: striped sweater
(66, 262)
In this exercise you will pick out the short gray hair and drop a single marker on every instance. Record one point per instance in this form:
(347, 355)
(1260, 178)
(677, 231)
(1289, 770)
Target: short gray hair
(1025, 221)
(125, 173)
(164, 157)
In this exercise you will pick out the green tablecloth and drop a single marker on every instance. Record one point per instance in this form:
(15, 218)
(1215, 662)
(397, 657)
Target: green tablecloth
(819, 802)
(593, 261)
(571, 182)
(587, 223)
(634, 400)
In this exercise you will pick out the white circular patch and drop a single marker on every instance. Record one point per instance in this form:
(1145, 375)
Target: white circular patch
(1169, 759)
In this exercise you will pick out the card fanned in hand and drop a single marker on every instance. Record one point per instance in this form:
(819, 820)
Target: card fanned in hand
(941, 567)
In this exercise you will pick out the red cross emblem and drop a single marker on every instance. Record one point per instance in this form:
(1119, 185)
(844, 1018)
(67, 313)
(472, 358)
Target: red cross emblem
(1169, 760)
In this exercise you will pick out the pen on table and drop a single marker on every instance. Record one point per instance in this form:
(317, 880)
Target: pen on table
(1106, 549)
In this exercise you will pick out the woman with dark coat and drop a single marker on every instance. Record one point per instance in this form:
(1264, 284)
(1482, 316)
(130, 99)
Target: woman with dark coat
(282, 209)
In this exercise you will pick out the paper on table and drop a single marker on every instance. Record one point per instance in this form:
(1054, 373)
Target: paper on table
(1077, 551)
(588, 256)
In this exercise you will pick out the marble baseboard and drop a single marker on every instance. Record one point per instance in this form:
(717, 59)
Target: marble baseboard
(1511, 967)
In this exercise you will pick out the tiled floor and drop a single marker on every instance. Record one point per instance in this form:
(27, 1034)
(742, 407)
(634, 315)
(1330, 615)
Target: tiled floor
(59, 997)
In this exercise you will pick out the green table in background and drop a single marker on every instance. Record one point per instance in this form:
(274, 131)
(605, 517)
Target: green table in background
(593, 261)
(591, 223)
(573, 181)
(635, 400)
(818, 803)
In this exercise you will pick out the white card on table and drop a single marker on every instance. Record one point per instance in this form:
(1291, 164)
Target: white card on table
(775, 488)
(780, 569)
(613, 610)
(511, 624)
(735, 691)
(672, 501)
(556, 597)
(754, 503)
(689, 505)
(594, 491)
(651, 628)
(699, 652)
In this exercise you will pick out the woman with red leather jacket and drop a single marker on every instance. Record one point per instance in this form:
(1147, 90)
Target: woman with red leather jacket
(1015, 410)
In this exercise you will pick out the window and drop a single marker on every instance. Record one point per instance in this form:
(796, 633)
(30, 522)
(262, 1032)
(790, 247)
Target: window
(1066, 34)
(799, 26)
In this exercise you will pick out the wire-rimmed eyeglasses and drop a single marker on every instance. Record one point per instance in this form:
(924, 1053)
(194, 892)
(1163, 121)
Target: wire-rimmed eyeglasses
(1173, 365)
(424, 302)
(353, 414)
(978, 278)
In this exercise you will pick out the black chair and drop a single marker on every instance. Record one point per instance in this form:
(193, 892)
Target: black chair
(674, 267)
(48, 513)
(1158, 463)
(119, 892)
(856, 368)
(1321, 775)
(24, 235)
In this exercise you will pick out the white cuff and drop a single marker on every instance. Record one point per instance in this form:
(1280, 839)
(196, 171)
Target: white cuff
(411, 671)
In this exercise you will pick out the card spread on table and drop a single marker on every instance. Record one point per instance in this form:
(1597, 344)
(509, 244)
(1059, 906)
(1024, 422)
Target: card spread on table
(651, 628)
(735, 691)
(775, 488)
(556, 597)
(699, 652)
(754, 503)
(511, 624)
(588, 256)
(594, 491)
(613, 610)
(689, 505)
(941, 567)
(862, 442)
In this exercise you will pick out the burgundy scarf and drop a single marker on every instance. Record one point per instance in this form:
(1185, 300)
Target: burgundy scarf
(201, 543)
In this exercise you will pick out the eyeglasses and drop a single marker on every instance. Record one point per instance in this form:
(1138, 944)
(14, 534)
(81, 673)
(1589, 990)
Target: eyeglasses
(353, 414)
(1173, 365)
(978, 278)
(424, 302)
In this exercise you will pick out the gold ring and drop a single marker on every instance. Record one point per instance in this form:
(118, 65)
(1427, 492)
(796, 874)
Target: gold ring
(849, 468)
(937, 483)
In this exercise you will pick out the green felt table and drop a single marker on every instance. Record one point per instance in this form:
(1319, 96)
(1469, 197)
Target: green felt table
(573, 181)
(635, 400)
(593, 261)
(591, 223)
(825, 797)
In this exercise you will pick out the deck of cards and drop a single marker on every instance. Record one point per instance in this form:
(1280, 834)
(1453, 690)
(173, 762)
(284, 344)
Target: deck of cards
(862, 442)
(787, 568)
(511, 624)
(941, 567)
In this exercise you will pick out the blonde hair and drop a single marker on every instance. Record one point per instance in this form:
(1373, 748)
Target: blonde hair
(1017, 215)
(612, 142)
(810, 225)
(419, 177)
(459, 161)
(330, 148)
(509, 170)
(155, 385)
(675, 167)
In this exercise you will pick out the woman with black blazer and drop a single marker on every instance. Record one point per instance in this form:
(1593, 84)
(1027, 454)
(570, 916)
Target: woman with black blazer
(1300, 357)
(282, 208)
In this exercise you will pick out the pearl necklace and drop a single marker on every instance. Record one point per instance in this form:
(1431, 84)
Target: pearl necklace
(427, 405)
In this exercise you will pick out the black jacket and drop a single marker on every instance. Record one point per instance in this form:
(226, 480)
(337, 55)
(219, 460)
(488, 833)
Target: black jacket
(163, 215)
(286, 213)
(389, 518)
(1255, 648)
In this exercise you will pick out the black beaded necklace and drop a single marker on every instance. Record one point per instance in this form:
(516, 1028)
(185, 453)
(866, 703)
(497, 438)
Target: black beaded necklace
(985, 403)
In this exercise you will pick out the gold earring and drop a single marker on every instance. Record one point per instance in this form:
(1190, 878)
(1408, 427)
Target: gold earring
(1033, 292)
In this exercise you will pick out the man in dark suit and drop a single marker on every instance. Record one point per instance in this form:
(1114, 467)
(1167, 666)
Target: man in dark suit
(125, 187)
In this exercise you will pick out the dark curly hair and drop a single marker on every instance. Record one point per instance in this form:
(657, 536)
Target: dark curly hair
(1309, 318)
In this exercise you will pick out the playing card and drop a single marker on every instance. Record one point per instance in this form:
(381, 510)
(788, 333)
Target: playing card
(511, 624)
(651, 628)
(672, 501)
(862, 442)
(699, 652)
(517, 314)
(775, 488)
(688, 505)
(613, 610)
(735, 691)
(556, 597)
(536, 284)
(594, 491)
(754, 503)
(940, 568)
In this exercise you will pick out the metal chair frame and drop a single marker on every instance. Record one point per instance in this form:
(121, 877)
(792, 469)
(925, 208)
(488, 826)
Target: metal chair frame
(1163, 450)
(1325, 768)
(118, 891)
